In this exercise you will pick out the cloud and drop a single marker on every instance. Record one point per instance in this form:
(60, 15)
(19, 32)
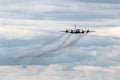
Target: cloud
(94, 68)
(90, 50)
(46, 10)
(100, 1)
(56, 72)
(30, 28)
(113, 32)
(31, 34)
(17, 33)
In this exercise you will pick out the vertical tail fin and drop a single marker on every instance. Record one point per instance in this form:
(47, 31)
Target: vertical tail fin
(75, 26)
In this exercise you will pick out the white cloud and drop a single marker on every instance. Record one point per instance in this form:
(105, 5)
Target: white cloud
(95, 68)
(45, 72)
(18, 33)
(109, 32)
(87, 68)
(93, 53)
(101, 28)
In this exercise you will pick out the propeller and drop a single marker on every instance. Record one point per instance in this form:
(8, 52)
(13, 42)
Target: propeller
(66, 30)
(87, 31)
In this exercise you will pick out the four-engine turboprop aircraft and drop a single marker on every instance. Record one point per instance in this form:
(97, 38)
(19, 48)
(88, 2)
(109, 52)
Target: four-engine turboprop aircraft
(77, 31)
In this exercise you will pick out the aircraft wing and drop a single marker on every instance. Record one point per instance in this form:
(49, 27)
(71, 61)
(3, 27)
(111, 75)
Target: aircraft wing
(62, 31)
(91, 31)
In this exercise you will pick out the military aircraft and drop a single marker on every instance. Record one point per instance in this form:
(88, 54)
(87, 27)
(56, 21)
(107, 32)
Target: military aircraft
(77, 31)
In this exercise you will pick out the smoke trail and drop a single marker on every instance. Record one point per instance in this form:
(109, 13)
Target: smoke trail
(75, 41)
(53, 40)
(50, 52)
(41, 47)
(49, 42)
(56, 49)
(60, 46)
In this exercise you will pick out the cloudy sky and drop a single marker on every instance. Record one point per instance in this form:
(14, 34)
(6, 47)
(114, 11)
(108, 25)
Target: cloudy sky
(30, 34)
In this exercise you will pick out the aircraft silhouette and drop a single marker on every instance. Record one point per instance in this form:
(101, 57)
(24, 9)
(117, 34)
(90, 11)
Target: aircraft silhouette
(77, 31)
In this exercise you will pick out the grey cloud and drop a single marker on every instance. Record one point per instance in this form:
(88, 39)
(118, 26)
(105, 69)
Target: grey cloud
(94, 53)
(67, 12)
(60, 11)
(78, 16)
(91, 50)
(100, 1)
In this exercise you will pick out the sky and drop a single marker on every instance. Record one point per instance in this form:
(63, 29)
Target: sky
(32, 46)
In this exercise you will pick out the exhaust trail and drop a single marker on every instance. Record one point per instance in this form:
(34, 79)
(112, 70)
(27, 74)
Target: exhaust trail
(60, 46)
(75, 41)
(52, 41)
(41, 47)
(45, 45)
(53, 52)
(56, 49)
(45, 55)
